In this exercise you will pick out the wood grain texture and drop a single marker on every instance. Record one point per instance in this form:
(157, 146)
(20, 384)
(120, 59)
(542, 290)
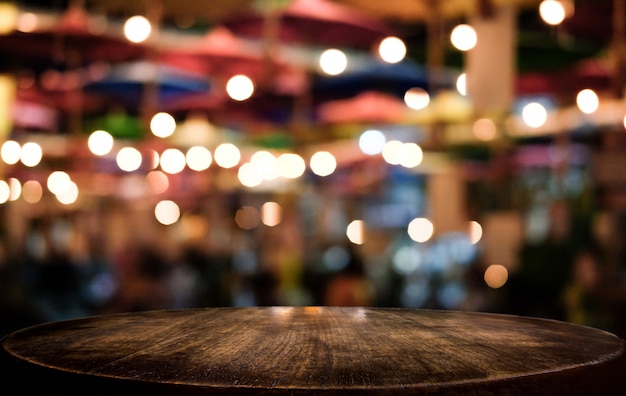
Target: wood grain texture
(314, 350)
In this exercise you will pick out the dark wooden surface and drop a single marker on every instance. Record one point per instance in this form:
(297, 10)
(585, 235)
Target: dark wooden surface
(316, 350)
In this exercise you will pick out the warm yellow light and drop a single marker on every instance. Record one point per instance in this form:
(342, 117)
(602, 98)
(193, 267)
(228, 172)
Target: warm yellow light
(100, 142)
(463, 37)
(162, 125)
(137, 29)
(333, 61)
(198, 158)
(32, 191)
(552, 12)
(484, 129)
(271, 214)
(58, 181)
(587, 101)
(393, 151)
(248, 176)
(5, 191)
(16, 189)
(291, 165)
(265, 164)
(323, 163)
(8, 17)
(128, 159)
(240, 87)
(496, 276)
(392, 50)
(69, 194)
(158, 182)
(416, 98)
(227, 155)
(11, 152)
(534, 115)
(31, 154)
(356, 232)
(411, 155)
(420, 229)
(167, 212)
(172, 161)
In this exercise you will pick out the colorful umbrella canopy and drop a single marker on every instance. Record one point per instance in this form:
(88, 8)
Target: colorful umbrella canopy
(319, 22)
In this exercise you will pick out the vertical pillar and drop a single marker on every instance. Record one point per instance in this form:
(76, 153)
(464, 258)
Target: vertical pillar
(490, 66)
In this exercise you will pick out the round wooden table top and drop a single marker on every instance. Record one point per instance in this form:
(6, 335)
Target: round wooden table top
(314, 350)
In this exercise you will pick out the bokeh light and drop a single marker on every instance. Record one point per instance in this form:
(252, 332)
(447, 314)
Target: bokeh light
(247, 217)
(392, 50)
(240, 87)
(333, 61)
(58, 181)
(496, 276)
(162, 125)
(227, 155)
(32, 191)
(534, 115)
(356, 232)
(128, 159)
(265, 164)
(172, 161)
(69, 194)
(416, 98)
(587, 101)
(411, 155)
(420, 229)
(100, 142)
(157, 181)
(323, 163)
(484, 129)
(16, 189)
(372, 142)
(31, 154)
(290, 165)
(198, 158)
(552, 12)
(137, 29)
(475, 232)
(11, 152)
(167, 212)
(5, 191)
(248, 176)
(463, 37)
(461, 84)
(271, 214)
(393, 152)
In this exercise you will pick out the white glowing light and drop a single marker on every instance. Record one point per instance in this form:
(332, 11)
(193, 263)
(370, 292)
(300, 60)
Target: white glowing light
(69, 194)
(392, 50)
(265, 164)
(227, 155)
(162, 125)
(416, 98)
(248, 176)
(393, 152)
(16, 189)
(11, 152)
(198, 158)
(411, 155)
(100, 142)
(475, 232)
(356, 232)
(167, 212)
(172, 161)
(323, 163)
(128, 159)
(372, 142)
(58, 181)
(552, 12)
(5, 191)
(587, 101)
(291, 165)
(240, 87)
(534, 115)
(461, 84)
(420, 229)
(137, 29)
(463, 37)
(31, 154)
(333, 61)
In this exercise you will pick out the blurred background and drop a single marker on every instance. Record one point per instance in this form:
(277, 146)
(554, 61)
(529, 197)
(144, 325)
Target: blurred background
(457, 154)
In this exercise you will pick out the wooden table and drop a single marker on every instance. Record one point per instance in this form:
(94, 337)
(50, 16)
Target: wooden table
(312, 350)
